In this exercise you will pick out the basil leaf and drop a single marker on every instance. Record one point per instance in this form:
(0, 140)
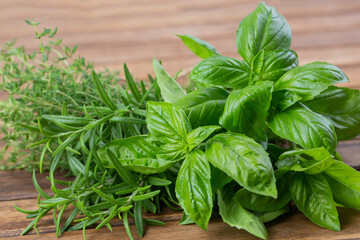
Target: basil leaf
(204, 106)
(310, 161)
(243, 160)
(198, 135)
(312, 196)
(172, 151)
(284, 99)
(256, 202)
(170, 89)
(193, 188)
(315, 153)
(271, 215)
(199, 47)
(222, 71)
(345, 184)
(263, 29)
(246, 110)
(185, 220)
(166, 122)
(134, 153)
(258, 62)
(309, 80)
(235, 215)
(312, 166)
(277, 63)
(342, 107)
(304, 127)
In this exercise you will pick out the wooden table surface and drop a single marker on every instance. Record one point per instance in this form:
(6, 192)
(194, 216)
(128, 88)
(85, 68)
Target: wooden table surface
(134, 31)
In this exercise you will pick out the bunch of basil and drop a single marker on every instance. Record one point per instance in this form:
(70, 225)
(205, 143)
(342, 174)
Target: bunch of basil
(226, 133)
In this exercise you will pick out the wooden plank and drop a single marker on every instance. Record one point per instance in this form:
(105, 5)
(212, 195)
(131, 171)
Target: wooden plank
(115, 32)
(16, 221)
(18, 190)
(16, 184)
(293, 225)
(350, 152)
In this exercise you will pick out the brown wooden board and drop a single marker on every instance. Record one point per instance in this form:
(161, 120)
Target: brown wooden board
(112, 32)
(16, 188)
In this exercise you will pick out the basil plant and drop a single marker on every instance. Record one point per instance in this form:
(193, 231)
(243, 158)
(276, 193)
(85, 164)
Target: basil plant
(253, 134)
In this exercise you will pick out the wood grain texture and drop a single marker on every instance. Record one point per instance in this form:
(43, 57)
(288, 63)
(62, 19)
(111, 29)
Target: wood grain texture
(134, 31)
(15, 185)
(293, 225)
(112, 32)
(17, 189)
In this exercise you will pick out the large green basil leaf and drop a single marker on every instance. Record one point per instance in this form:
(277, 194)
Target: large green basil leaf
(170, 89)
(204, 106)
(304, 127)
(263, 29)
(222, 71)
(284, 99)
(345, 184)
(243, 160)
(276, 63)
(246, 110)
(193, 188)
(312, 196)
(342, 107)
(256, 202)
(166, 122)
(198, 135)
(135, 153)
(199, 47)
(309, 80)
(235, 215)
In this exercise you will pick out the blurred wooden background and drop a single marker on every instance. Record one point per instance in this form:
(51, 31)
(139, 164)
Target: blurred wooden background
(134, 31)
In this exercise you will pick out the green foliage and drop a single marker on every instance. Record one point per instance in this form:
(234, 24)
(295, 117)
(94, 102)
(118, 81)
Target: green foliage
(170, 89)
(49, 81)
(256, 99)
(193, 188)
(204, 106)
(304, 127)
(274, 64)
(237, 216)
(309, 80)
(252, 135)
(263, 29)
(312, 196)
(221, 71)
(341, 106)
(243, 160)
(198, 46)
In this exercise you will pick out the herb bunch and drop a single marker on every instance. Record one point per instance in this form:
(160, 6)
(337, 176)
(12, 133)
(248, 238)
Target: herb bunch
(253, 136)
(50, 80)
